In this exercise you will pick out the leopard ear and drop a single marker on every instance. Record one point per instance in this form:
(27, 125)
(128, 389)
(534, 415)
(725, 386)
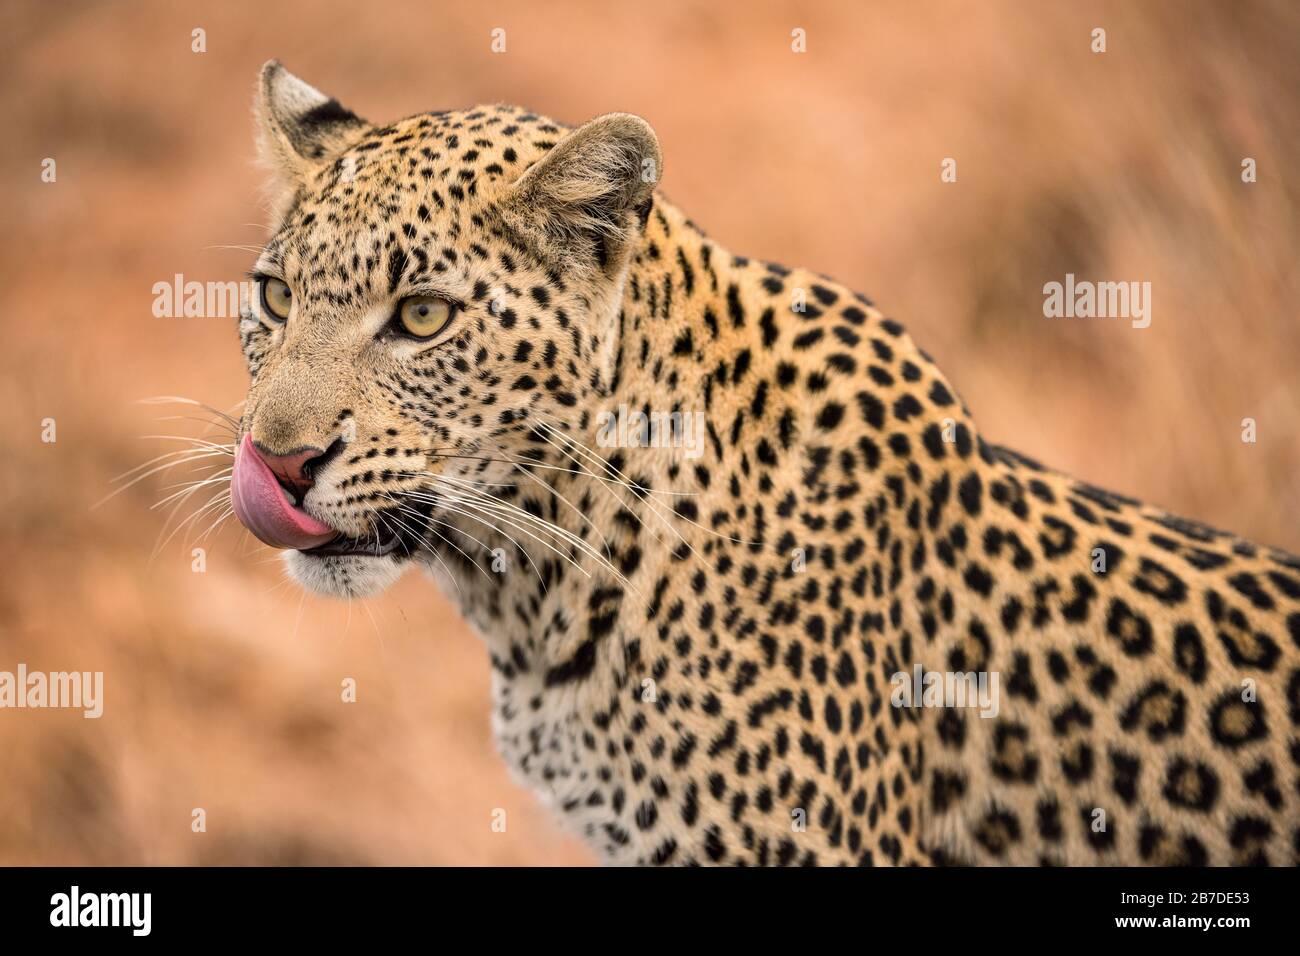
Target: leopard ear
(582, 202)
(299, 129)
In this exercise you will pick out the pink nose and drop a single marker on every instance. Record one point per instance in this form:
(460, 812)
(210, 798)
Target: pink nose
(291, 470)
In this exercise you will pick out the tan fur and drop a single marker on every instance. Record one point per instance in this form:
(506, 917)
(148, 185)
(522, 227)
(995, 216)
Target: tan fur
(691, 656)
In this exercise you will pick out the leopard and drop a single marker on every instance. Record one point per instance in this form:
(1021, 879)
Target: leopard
(754, 589)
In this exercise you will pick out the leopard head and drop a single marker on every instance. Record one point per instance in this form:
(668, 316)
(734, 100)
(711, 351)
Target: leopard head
(436, 295)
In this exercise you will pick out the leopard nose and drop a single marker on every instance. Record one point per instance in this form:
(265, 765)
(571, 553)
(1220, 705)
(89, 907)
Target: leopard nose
(296, 470)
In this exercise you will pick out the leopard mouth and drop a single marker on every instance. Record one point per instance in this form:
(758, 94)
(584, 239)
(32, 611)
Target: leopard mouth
(394, 535)
(273, 511)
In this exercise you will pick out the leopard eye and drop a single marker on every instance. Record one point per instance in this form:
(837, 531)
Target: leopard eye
(276, 298)
(423, 316)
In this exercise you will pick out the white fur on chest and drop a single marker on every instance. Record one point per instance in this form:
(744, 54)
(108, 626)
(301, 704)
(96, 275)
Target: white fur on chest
(549, 734)
(544, 749)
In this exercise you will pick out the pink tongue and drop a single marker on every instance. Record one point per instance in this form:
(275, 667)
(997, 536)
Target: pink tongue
(264, 508)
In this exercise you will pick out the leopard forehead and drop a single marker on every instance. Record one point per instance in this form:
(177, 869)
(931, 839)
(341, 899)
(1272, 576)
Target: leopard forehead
(431, 178)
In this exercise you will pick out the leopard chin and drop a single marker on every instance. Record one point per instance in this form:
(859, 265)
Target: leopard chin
(344, 575)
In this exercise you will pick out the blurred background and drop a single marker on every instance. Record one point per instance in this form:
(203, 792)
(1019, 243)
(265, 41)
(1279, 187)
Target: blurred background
(222, 688)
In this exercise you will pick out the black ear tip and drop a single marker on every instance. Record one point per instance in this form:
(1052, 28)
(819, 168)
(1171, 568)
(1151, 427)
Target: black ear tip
(327, 113)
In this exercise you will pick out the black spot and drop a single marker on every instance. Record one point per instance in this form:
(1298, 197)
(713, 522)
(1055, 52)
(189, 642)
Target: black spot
(646, 815)
(1132, 630)
(1159, 582)
(1125, 770)
(906, 407)
(932, 438)
(1248, 834)
(734, 308)
(1250, 586)
(970, 491)
(1158, 708)
(873, 410)
(978, 579)
(945, 789)
(397, 264)
(1012, 761)
(1189, 651)
(1077, 762)
(824, 295)
(998, 831)
(1058, 540)
(1191, 785)
(1049, 820)
(830, 416)
(1235, 722)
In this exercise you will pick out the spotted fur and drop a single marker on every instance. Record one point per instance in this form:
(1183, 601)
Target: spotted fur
(704, 658)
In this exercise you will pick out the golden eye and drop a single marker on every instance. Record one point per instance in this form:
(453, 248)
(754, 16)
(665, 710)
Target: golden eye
(423, 316)
(276, 298)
